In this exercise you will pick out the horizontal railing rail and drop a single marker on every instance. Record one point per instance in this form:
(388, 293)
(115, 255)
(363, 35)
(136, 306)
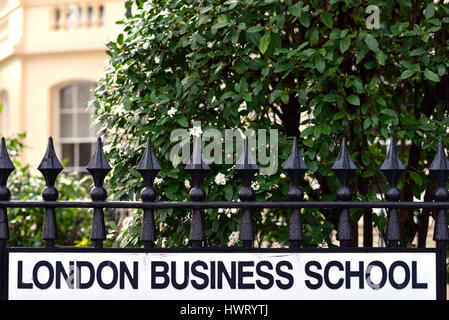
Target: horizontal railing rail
(226, 204)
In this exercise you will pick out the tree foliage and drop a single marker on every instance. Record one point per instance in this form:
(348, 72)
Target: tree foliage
(290, 65)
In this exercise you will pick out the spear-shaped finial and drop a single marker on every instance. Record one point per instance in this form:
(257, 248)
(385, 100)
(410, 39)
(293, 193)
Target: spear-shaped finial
(197, 168)
(50, 167)
(392, 168)
(148, 168)
(295, 168)
(98, 167)
(246, 167)
(6, 167)
(344, 167)
(439, 169)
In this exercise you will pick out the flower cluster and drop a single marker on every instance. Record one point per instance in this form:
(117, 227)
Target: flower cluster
(195, 131)
(172, 112)
(220, 179)
(228, 211)
(234, 238)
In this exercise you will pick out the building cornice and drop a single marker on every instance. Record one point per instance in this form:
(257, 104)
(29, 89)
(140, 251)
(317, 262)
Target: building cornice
(39, 3)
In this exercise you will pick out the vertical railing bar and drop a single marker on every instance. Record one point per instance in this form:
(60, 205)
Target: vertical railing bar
(439, 169)
(392, 168)
(98, 167)
(344, 167)
(295, 168)
(197, 168)
(50, 167)
(6, 167)
(148, 168)
(246, 167)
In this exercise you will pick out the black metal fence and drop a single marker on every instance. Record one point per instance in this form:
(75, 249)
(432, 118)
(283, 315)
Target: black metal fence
(295, 168)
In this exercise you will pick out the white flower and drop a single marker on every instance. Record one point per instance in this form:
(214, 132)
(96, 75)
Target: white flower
(227, 211)
(282, 175)
(157, 181)
(233, 238)
(172, 112)
(255, 185)
(220, 179)
(195, 131)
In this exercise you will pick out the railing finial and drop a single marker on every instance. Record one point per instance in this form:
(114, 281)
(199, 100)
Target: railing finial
(295, 169)
(98, 167)
(50, 167)
(246, 167)
(439, 169)
(6, 167)
(392, 168)
(344, 167)
(148, 168)
(197, 168)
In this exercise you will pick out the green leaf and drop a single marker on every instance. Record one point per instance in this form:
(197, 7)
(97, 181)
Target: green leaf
(360, 55)
(441, 69)
(416, 177)
(255, 29)
(264, 42)
(274, 95)
(307, 132)
(366, 123)
(381, 58)
(120, 39)
(228, 193)
(296, 9)
(314, 37)
(354, 100)
(247, 96)
(326, 19)
(284, 97)
(432, 76)
(407, 74)
(304, 20)
(417, 52)
(320, 65)
(127, 103)
(317, 132)
(182, 120)
(371, 42)
(429, 11)
(345, 43)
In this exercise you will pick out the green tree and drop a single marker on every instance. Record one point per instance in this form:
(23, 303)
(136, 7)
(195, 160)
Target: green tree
(278, 64)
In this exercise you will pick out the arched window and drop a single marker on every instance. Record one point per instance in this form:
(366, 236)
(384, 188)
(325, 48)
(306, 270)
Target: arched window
(4, 103)
(76, 137)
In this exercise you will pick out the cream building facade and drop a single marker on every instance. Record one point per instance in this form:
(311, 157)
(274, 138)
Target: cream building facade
(51, 54)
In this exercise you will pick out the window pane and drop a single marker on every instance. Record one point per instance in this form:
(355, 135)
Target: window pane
(66, 125)
(85, 153)
(84, 94)
(67, 153)
(67, 97)
(83, 125)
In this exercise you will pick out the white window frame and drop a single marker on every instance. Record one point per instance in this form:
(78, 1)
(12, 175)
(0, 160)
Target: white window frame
(70, 140)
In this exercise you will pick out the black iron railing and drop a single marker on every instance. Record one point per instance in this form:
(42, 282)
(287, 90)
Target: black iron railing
(295, 168)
